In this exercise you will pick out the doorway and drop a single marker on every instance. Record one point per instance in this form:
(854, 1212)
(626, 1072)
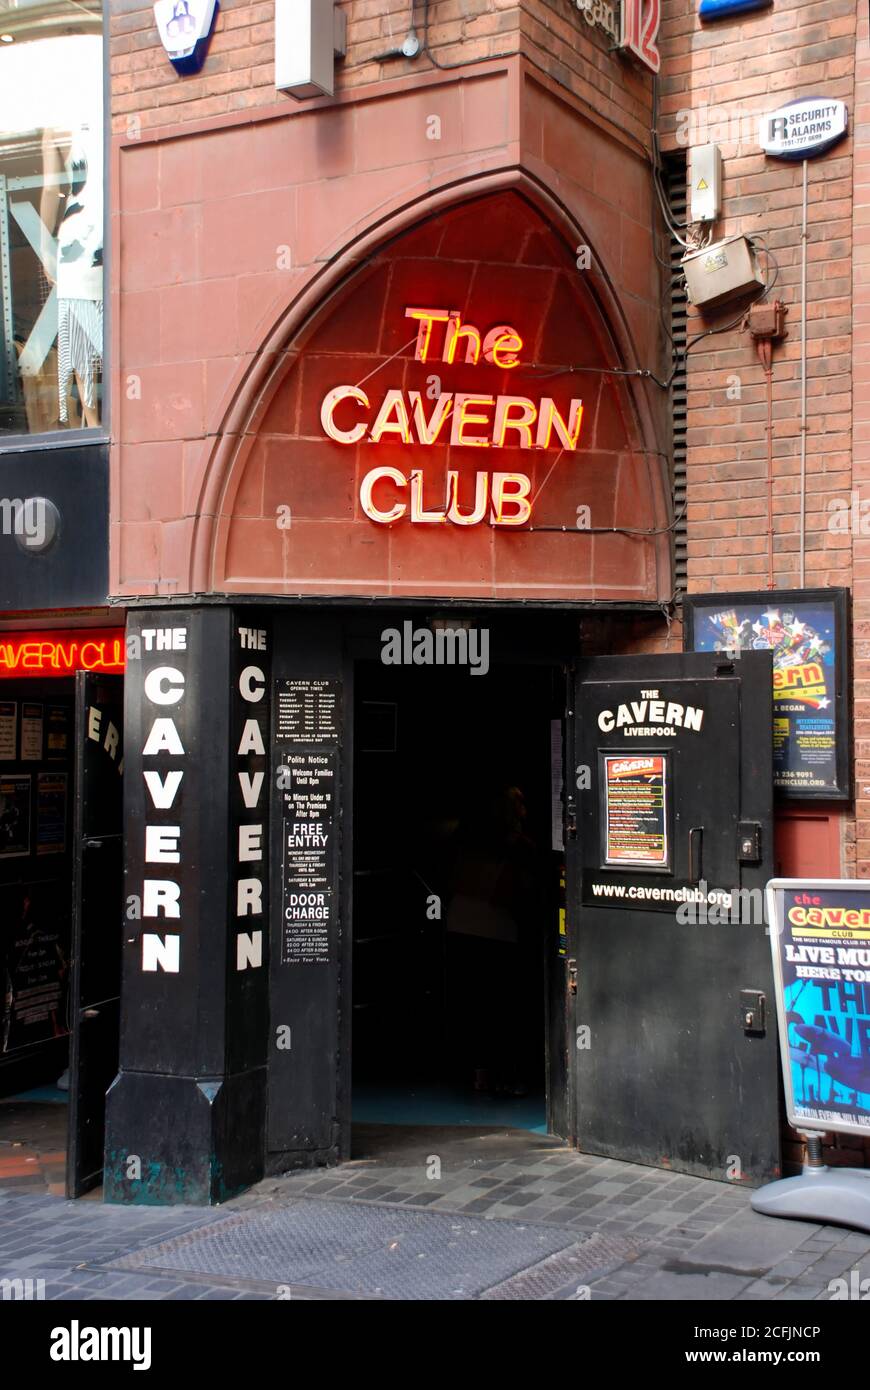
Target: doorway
(455, 899)
(60, 926)
(37, 720)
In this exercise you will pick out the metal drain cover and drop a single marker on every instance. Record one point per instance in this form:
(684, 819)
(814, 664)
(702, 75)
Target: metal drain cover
(383, 1252)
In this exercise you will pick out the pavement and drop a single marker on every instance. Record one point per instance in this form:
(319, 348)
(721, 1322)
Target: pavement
(435, 1213)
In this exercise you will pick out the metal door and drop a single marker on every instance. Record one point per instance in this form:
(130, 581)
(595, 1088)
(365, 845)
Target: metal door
(97, 924)
(675, 1059)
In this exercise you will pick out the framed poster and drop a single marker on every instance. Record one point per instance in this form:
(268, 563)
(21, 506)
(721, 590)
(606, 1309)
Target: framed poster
(806, 632)
(635, 821)
(31, 732)
(8, 730)
(34, 963)
(57, 732)
(14, 816)
(820, 941)
(51, 813)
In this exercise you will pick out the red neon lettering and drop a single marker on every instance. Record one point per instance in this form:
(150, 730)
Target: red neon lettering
(427, 317)
(514, 413)
(455, 331)
(549, 418)
(429, 430)
(59, 655)
(463, 417)
(501, 345)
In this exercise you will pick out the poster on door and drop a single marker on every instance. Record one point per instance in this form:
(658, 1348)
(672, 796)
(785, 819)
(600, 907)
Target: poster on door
(34, 964)
(8, 730)
(804, 630)
(14, 816)
(635, 810)
(51, 813)
(820, 939)
(31, 732)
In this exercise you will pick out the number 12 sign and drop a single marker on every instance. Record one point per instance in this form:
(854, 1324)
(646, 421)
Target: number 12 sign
(638, 30)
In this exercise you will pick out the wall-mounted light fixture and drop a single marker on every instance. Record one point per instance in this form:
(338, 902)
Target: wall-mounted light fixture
(309, 36)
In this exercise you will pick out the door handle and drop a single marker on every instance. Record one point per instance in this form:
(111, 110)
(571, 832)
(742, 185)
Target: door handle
(572, 976)
(695, 852)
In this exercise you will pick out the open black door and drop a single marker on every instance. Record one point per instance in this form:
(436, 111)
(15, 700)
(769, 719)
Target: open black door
(676, 1053)
(97, 922)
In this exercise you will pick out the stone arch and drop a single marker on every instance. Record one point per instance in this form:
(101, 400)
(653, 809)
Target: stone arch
(492, 241)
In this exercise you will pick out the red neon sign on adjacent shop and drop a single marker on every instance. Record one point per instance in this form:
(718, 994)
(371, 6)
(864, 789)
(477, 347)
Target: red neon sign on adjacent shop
(62, 653)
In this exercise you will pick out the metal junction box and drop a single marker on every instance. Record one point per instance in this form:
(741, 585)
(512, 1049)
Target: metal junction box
(720, 272)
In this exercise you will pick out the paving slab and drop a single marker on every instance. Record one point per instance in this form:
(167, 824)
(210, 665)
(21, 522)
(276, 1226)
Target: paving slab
(750, 1242)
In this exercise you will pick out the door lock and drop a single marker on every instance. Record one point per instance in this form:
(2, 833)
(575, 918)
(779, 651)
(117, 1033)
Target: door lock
(749, 842)
(753, 1009)
(572, 977)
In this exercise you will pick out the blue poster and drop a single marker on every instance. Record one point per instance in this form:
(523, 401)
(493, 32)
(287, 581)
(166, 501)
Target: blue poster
(821, 945)
(801, 637)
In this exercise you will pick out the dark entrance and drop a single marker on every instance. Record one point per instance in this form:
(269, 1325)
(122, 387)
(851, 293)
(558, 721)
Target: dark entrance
(455, 883)
(676, 1055)
(95, 984)
(60, 923)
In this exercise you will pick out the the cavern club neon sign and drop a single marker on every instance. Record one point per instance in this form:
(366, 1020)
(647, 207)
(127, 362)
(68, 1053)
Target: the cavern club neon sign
(62, 653)
(462, 419)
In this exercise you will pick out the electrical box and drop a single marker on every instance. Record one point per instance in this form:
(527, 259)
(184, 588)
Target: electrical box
(705, 203)
(308, 36)
(725, 270)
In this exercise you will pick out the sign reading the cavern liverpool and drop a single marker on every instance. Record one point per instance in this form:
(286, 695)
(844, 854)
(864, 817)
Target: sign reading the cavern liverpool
(820, 940)
(805, 630)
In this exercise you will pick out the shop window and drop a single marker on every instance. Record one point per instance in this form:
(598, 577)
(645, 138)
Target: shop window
(51, 216)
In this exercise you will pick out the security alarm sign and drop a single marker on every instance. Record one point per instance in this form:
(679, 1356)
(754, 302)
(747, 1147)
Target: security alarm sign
(803, 129)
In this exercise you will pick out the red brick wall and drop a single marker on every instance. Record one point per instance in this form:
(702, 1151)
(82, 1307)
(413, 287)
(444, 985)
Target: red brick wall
(727, 74)
(239, 70)
(861, 439)
(731, 72)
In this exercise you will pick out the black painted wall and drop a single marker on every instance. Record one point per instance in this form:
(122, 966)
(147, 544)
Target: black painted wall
(74, 571)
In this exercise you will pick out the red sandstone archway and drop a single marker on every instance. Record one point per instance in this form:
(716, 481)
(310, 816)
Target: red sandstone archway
(495, 259)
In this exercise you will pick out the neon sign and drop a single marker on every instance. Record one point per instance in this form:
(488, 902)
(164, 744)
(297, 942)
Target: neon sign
(476, 421)
(639, 29)
(62, 653)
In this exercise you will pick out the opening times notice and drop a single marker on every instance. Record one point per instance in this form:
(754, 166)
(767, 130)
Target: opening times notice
(308, 711)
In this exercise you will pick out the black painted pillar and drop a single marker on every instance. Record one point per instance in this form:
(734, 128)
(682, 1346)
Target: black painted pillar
(186, 1114)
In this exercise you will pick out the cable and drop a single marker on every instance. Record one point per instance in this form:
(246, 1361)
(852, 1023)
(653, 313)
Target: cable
(615, 530)
(445, 67)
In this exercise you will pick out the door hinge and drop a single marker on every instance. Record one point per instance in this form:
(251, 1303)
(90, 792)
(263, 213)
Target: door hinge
(571, 819)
